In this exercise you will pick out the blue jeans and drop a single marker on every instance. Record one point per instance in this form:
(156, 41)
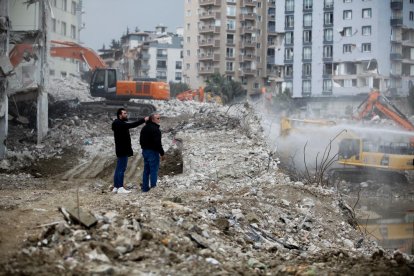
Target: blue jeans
(151, 166)
(121, 167)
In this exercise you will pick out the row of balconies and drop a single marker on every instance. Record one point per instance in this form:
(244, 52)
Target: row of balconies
(244, 3)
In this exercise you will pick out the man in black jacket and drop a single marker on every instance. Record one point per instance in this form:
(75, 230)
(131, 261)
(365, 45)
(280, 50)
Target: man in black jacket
(123, 147)
(150, 140)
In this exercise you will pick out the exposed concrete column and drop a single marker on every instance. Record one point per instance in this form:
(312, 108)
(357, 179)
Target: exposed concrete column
(42, 101)
(5, 70)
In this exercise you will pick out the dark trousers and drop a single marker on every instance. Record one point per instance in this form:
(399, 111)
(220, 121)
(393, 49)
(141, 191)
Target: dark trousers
(121, 167)
(151, 166)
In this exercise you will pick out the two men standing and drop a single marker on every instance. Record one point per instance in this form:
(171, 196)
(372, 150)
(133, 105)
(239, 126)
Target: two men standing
(150, 140)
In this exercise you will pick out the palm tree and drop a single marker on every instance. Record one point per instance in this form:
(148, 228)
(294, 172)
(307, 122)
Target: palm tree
(237, 91)
(219, 85)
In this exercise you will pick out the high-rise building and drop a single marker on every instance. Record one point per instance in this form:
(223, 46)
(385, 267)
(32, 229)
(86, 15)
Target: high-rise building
(306, 47)
(66, 24)
(232, 37)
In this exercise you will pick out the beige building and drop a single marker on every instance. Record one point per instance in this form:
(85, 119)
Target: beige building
(66, 24)
(232, 37)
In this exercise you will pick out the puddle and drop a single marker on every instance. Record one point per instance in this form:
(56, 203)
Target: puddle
(389, 221)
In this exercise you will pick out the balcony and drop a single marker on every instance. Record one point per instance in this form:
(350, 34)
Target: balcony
(209, 29)
(209, 43)
(247, 57)
(145, 46)
(209, 56)
(208, 70)
(162, 67)
(248, 3)
(248, 16)
(231, 2)
(396, 4)
(162, 78)
(144, 67)
(247, 44)
(395, 56)
(247, 30)
(407, 44)
(203, 3)
(271, 44)
(248, 71)
(230, 42)
(161, 56)
(145, 56)
(271, 3)
(209, 15)
(396, 21)
(271, 30)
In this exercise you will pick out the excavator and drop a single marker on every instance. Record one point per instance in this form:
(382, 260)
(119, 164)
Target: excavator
(359, 158)
(105, 82)
(190, 94)
(397, 117)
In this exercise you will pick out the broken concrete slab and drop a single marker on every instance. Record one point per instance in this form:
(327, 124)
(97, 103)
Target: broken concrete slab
(79, 215)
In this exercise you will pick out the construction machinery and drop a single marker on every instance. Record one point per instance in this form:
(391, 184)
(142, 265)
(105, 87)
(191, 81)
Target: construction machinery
(357, 156)
(189, 95)
(105, 82)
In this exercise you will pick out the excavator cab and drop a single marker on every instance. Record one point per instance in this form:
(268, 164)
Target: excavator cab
(103, 82)
(350, 149)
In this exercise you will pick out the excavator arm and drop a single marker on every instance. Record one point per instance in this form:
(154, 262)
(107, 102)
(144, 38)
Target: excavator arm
(369, 104)
(73, 50)
(402, 122)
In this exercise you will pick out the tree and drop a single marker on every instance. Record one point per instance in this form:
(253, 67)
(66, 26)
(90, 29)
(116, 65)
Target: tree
(103, 46)
(127, 31)
(237, 91)
(283, 100)
(136, 29)
(177, 88)
(115, 44)
(219, 85)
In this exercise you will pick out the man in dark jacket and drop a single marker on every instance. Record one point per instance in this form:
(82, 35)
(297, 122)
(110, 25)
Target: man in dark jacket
(123, 147)
(150, 140)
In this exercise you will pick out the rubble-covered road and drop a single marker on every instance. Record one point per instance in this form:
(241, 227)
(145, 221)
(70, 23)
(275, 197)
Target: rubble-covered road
(222, 205)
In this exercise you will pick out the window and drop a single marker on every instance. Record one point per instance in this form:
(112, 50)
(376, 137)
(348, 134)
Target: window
(327, 69)
(259, 31)
(411, 16)
(366, 30)
(288, 38)
(230, 52)
(256, 85)
(188, 39)
(161, 64)
(328, 35)
(347, 48)
(73, 32)
(289, 5)
(231, 25)
(259, 45)
(63, 28)
(258, 59)
(244, 80)
(188, 53)
(307, 36)
(288, 87)
(307, 4)
(230, 78)
(51, 72)
(327, 86)
(348, 31)
(347, 1)
(307, 69)
(231, 11)
(162, 75)
(289, 21)
(347, 15)
(73, 7)
(366, 47)
(259, 18)
(198, 11)
(187, 66)
(327, 51)
(306, 86)
(179, 65)
(197, 78)
(328, 18)
(307, 20)
(229, 66)
(64, 5)
(197, 52)
(188, 12)
(328, 4)
(188, 26)
(178, 76)
(289, 54)
(161, 53)
(198, 65)
(181, 54)
(348, 83)
(307, 53)
(366, 13)
(53, 25)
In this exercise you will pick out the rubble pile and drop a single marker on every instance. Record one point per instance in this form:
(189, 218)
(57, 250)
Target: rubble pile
(232, 211)
(70, 88)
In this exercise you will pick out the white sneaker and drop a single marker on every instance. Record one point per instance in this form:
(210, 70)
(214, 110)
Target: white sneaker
(115, 190)
(123, 191)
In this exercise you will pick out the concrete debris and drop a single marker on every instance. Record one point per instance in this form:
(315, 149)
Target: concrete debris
(78, 215)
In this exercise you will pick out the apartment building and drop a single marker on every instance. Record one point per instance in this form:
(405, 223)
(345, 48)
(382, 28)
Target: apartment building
(232, 37)
(65, 25)
(344, 47)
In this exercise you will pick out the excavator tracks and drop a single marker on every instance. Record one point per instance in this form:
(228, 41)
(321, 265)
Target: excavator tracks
(135, 110)
(356, 175)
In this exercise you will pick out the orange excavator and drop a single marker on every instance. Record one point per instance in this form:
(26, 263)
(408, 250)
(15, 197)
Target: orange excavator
(105, 82)
(397, 117)
(190, 94)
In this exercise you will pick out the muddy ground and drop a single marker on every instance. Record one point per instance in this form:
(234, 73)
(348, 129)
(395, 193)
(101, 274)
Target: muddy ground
(183, 241)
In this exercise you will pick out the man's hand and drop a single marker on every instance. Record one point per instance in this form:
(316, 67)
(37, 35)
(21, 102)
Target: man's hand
(163, 157)
(146, 118)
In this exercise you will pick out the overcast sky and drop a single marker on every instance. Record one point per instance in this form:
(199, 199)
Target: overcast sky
(108, 19)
